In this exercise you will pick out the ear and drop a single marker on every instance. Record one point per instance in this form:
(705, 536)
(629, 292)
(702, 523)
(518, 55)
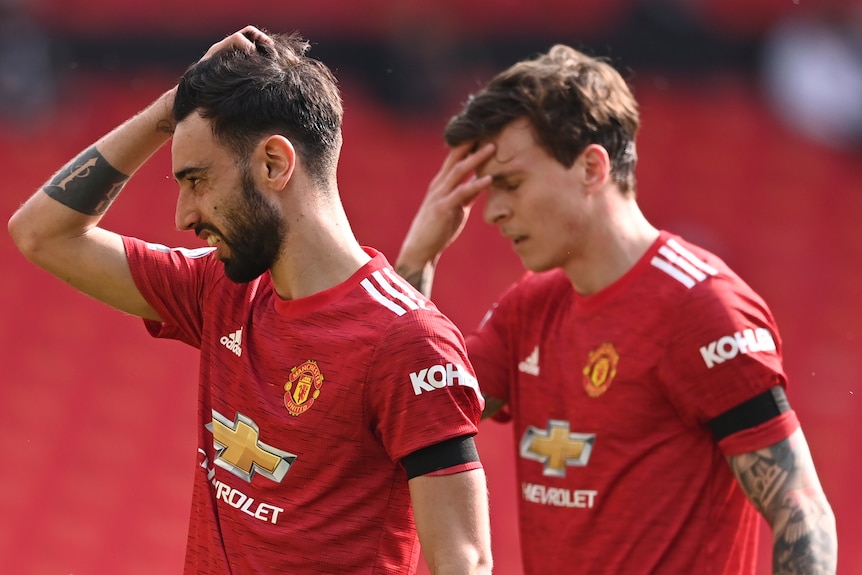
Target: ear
(597, 166)
(277, 161)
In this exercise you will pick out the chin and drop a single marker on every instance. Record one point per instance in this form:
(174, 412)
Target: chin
(240, 274)
(536, 266)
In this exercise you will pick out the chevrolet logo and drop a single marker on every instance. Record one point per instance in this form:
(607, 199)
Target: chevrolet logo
(240, 450)
(556, 447)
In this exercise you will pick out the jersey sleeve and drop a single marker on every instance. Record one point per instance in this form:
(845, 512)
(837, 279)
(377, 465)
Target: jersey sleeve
(490, 349)
(171, 280)
(725, 349)
(423, 389)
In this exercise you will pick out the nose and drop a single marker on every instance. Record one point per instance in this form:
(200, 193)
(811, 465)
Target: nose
(496, 209)
(187, 215)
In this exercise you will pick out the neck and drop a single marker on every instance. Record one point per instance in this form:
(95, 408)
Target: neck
(617, 243)
(319, 252)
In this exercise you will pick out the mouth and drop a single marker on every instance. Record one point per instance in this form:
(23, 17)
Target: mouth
(516, 239)
(210, 237)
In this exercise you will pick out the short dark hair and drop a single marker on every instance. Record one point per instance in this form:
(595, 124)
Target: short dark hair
(272, 90)
(571, 100)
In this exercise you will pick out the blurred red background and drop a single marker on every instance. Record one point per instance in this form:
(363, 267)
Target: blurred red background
(99, 417)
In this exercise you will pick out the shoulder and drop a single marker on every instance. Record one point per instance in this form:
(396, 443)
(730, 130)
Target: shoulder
(395, 308)
(697, 276)
(534, 289)
(712, 302)
(142, 254)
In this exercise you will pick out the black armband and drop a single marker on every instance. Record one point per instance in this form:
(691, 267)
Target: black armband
(88, 184)
(449, 453)
(757, 410)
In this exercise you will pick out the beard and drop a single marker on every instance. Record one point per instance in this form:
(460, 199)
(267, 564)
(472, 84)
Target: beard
(255, 234)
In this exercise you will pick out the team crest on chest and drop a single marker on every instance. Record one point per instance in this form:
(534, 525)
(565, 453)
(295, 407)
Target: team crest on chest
(302, 387)
(600, 370)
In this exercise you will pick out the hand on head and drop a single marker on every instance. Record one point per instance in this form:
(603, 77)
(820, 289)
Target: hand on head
(446, 206)
(245, 39)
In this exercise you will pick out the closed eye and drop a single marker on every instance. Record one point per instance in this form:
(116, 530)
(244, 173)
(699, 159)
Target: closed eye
(506, 184)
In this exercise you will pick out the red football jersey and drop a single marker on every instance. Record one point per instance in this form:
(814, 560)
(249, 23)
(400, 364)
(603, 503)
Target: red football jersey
(609, 396)
(305, 409)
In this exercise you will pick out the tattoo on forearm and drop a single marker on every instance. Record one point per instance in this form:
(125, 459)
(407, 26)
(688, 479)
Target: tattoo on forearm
(778, 481)
(416, 278)
(165, 126)
(88, 184)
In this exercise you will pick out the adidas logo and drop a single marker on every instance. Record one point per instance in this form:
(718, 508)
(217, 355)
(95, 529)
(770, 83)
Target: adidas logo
(530, 365)
(233, 341)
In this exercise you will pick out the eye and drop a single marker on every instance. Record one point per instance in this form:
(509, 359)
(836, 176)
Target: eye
(194, 182)
(507, 185)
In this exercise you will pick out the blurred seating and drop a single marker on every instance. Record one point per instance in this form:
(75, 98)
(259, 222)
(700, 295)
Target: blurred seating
(100, 414)
(334, 17)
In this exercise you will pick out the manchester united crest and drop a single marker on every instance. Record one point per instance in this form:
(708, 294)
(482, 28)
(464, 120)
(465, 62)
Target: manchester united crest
(600, 370)
(302, 387)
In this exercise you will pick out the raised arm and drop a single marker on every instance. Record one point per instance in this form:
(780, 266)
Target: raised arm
(451, 514)
(442, 215)
(783, 485)
(57, 228)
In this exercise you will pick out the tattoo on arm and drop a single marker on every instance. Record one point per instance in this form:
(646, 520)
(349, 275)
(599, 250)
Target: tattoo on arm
(782, 484)
(165, 126)
(492, 406)
(417, 278)
(88, 184)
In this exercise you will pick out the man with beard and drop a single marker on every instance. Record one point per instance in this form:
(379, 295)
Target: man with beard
(337, 407)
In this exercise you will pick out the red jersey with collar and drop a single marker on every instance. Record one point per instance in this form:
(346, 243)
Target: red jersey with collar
(305, 409)
(609, 396)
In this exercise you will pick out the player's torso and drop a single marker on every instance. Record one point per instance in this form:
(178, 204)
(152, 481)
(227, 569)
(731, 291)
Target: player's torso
(588, 391)
(287, 441)
(612, 477)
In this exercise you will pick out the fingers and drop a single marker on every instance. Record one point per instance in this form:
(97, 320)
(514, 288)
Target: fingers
(244, 39)
(255, 35)
(462, 160)
(453, 180)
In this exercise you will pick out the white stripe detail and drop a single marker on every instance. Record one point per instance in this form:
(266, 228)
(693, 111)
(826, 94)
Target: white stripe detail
(673, 272)
(387, 287)
(385, 302)
(682, 265)
(408, 289)
(693, 259)
(674, 258)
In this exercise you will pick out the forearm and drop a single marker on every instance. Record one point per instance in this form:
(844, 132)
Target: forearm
(77, 196)
(812, 552)
(782, 484)
(419, 275)
(451, 513)
(129, 146)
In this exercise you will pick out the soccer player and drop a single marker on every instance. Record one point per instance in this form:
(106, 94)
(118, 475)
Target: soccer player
(337, 407)
(643, 377)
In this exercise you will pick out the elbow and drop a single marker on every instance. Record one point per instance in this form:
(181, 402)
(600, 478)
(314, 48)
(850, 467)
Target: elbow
(22, 235)
(474, 562)
(485, 566)
(28, 235)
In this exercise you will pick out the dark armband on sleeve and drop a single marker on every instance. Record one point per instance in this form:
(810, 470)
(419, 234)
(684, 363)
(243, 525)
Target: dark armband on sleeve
(755, 411)
(88, 184)
(449, 453)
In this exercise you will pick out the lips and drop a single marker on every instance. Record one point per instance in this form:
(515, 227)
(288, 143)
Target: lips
(208, 236)
(515, 239)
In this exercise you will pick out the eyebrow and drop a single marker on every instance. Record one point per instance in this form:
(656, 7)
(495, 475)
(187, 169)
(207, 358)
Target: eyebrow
(504, 175)
(185, 173)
